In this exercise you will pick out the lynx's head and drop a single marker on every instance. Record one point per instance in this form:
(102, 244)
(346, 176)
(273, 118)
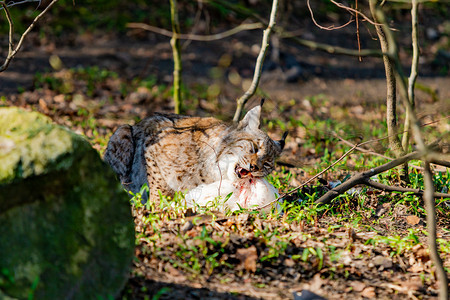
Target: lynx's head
(248, 151)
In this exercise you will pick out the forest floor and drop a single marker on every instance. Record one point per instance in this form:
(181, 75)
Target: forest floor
(367, 244)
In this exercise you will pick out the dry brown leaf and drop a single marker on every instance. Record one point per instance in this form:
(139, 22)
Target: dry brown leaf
(412, 220)
(358, 286)
(421, 253)
(316, 283)
(417, 268)
(369, 292)
(289, 262)
(248, 257)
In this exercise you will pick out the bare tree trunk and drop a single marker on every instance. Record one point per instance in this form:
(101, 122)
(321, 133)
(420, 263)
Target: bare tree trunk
(430, 205)
(413, 74)
(391, 89)
(175, 43)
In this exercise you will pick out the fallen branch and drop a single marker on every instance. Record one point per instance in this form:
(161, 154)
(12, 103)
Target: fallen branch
(444, 163)
(362, 177)
(390, 188)
(13, 51)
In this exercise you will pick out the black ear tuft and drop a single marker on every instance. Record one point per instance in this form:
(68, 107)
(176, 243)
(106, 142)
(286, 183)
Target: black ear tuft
(262, 102)
(282, 142)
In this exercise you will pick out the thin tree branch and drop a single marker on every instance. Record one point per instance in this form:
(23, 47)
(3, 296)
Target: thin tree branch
(259, 64)
(340, 5)
(175, 44)
(13, 3)
(428, 179)
(309, 180)
(196, 37)
(22, 38)
(430, 206)
(414, 66)
(363, 150)
(294, 38)
(332, 27)
(328, 48)
(11, 29)
(357, 28)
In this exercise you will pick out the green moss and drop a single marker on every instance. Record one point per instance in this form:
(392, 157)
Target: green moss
(65, 222)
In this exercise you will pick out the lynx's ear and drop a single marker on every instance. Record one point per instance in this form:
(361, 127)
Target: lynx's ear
(251, 120)
(282, 142)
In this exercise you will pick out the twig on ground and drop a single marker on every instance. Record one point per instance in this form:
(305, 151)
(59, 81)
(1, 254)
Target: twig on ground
(444, 163)
(13, 51)
(196, 37)
(390, 188)
(259, 64)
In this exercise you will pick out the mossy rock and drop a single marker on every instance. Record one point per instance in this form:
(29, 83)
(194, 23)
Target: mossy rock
(66, 230)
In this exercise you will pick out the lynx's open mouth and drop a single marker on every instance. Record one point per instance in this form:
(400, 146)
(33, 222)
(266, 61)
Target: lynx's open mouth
(241, 172)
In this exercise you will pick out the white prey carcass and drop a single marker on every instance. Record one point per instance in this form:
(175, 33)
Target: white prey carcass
(249, 193)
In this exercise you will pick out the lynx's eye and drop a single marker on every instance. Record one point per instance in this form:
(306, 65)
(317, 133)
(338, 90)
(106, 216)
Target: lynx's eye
(254, 148)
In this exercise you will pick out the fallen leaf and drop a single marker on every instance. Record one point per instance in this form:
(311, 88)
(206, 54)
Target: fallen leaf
(289, 262)
(412, 220)
(358, 286)
(317, 283)
(417, 268)
(248, 257)
(421, 253)
(369, 292)
(382, 261)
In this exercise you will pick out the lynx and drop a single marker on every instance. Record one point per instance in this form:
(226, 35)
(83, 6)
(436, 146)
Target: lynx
(178, 153)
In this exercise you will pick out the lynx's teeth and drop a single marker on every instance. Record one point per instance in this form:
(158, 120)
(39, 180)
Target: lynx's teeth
(241, 172)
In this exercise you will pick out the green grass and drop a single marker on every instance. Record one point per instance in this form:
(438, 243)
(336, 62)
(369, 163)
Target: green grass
(314, 238)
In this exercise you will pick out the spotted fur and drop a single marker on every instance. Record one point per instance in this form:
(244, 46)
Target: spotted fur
(178, 153)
